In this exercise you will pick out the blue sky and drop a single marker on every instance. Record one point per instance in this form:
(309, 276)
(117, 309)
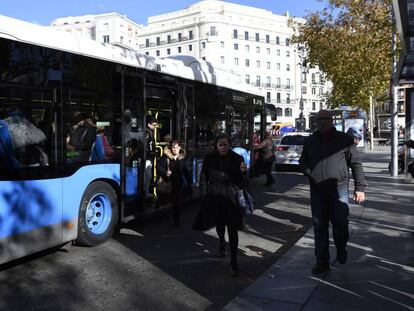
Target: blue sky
(44, 11)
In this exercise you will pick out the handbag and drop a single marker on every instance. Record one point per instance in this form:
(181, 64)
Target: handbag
(245, 201)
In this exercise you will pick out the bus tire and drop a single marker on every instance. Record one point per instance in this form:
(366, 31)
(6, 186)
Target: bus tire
(98, 214)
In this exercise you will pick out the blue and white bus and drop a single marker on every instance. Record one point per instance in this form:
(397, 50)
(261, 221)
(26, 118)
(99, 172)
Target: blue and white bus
(55, 188)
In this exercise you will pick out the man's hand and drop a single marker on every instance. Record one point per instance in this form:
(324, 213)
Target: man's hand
(243, 167)
(359, 197)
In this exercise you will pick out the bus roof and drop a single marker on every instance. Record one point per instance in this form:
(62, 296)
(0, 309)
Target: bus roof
(186, 67)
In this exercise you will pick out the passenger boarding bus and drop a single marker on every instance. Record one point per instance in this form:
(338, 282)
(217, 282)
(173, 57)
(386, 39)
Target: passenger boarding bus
(72, 131)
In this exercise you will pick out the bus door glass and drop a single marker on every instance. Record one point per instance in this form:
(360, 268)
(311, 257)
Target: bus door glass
(161, 103)
(185, 124)
(134, 142)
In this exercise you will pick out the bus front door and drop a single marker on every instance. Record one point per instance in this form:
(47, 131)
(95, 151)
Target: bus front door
(133, 146)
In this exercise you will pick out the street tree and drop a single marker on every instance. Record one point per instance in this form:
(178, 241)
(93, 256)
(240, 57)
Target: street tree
(350, 42)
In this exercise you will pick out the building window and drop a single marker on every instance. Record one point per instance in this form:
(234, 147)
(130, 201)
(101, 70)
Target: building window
(279, 112)
(106, 39)
(268, 65)
(236, 46)
(288, 112)
(157, 52)
(190, 47)
(146, 42)
(180, 37)
(313, 78)
(246, 35)
(247, 48)
(314, 91)
(313, 106)
(158, 41)
(320, 91)
(257, 80)
(267, 39)
(268, 51)
(213, 31)
(287, 67)
(304, 77)
(146, 53)
(277, 40)
(278, 82)
(235, 34)
(287, 41)
(287, 53)
(258, 63)
(236, 62)
(190, 35)
(288, 83)
(203, 45)
(278, 52)
(179, 49)
(257, 49)
(247, 62)
(287, 98)
(304, 89)
(169, 39)
(268, 97)
(168, 51)
(222, 59)
(278, 97)
(278, 66)
(222, 44)
(248, 79)
(268, 82)
(257, 37)
(320, 106)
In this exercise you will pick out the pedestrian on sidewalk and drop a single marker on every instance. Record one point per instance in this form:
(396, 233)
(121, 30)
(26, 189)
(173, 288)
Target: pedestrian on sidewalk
(173, 168)
(326, 158)
(222, 170)
(268, 157)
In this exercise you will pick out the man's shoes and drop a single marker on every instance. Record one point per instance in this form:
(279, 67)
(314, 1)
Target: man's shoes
(341, 256)
(319, 268)
(222, 250)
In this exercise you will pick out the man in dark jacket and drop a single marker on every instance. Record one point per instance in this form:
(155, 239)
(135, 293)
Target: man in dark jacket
(326, 158)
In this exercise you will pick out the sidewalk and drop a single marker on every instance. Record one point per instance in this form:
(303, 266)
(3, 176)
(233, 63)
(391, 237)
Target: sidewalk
(379, 274)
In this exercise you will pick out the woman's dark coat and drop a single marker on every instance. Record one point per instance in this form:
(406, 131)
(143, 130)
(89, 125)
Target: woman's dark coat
(180, 178)
(219, 174)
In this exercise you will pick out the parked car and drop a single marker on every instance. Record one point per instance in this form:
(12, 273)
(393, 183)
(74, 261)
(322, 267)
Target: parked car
(288, 152)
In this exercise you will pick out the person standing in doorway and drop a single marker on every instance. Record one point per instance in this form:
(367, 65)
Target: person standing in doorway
(173, 168)
(326, 158)
(150, 154)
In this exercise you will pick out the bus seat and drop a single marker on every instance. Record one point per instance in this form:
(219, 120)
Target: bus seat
(98, 149)
(7, 147)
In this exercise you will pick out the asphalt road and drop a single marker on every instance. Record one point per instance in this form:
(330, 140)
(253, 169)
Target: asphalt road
(153, 266)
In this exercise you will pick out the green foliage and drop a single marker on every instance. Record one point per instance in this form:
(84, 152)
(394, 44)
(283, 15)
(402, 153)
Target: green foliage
(350, 41)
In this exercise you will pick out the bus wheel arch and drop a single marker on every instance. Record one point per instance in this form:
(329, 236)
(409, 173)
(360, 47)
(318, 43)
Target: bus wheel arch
(98, 214)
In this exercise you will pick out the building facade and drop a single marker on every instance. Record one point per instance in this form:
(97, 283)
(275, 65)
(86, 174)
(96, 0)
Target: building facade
(251, 42)
(110, 28)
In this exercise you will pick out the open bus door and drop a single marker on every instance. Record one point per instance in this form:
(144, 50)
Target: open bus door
(161, 104)
(133, 147)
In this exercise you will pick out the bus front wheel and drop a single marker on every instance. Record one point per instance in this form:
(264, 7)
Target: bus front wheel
(98, 214)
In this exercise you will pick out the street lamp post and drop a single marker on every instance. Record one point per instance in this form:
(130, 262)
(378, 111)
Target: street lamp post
(300, 124)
